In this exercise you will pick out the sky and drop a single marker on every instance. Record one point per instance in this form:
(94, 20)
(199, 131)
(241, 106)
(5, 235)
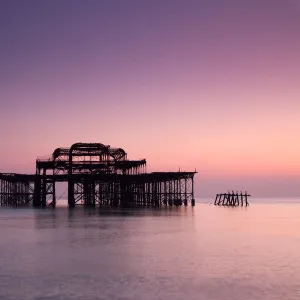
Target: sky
(211, 85)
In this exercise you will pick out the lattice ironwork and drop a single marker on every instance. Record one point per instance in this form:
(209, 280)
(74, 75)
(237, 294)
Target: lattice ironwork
(96, 174)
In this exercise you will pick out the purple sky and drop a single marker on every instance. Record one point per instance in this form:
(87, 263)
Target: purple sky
(212, 85)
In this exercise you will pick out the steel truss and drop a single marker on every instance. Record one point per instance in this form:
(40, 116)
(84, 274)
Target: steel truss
(16, 190)
(97, 175)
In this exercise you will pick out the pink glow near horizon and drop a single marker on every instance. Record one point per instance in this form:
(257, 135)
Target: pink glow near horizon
(208, 86)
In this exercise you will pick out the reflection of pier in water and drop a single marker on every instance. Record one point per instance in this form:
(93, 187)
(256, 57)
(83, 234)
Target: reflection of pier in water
(96, 175)
(232, 199)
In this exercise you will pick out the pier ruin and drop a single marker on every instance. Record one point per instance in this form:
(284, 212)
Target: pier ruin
(232, 199)
(96, 174)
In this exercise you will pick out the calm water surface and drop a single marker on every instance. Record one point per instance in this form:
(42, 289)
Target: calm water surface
(204, 252)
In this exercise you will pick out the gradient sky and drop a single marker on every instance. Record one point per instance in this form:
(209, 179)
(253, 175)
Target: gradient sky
(206, 84)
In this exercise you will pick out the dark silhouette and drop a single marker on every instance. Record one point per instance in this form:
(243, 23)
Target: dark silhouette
(232, 199)
(96, 175)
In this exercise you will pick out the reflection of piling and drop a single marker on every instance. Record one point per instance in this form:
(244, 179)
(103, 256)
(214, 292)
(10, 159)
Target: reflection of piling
(232, 199)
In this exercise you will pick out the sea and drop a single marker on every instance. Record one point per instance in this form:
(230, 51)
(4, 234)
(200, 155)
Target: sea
(204, 252)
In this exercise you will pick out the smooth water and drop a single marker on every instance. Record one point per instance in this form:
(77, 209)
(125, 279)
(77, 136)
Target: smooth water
(205, 252)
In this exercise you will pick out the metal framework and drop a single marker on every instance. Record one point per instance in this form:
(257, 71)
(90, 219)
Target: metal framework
(16, 190)
(232, 199)
(96, 174)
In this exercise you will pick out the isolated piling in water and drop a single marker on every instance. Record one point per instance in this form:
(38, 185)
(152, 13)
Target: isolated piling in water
(232, 199)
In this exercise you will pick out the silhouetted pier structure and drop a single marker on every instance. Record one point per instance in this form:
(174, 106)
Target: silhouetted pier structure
(232, 199)
(96, 174)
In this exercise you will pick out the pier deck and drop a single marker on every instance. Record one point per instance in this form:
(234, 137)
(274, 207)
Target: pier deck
(96, 175)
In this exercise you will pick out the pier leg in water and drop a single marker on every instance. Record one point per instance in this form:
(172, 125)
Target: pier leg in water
(232, 199)
(217, 196)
